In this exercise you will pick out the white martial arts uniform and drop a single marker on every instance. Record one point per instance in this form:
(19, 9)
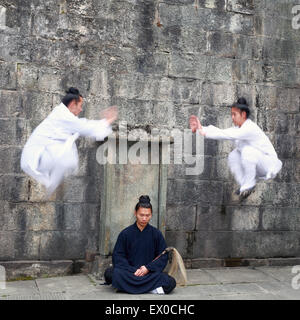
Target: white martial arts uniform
(254, 156)
(51, 153)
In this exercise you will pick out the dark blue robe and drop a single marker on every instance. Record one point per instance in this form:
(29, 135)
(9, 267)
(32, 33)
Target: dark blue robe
(133, 249)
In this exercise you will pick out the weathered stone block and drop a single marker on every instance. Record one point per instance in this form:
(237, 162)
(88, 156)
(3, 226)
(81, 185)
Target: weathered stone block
(179, 171)
(45, 25)
(210, 217)
(15, 47)
(281, 50)
(28, 76)
(7, 251)
(14, 131)
(191, 192)
(220, 169)
(177, 38)
(37, 268)
(56, 244)
(152, 63)
(10, 159)
(78, 217)
(181, 218)
(27, 245)
(19, 18)
(263, 195)
(73, 189)
(240, 6)
(265, 244)
(221, 44)
(241, 24)
(16, 188)
(10, 104)
(8, 76)
(285, 145)
(296, 171)
(244, 218)
(182, 241)
(280, 219)
(265, 98)
(220, 70)
(36, 105)
(212, 244)
(217, 94)
(240, 71)
(50, 79)
(188, 66)
(288, 172)
(280, 28)
(30, 217)
(288, 99)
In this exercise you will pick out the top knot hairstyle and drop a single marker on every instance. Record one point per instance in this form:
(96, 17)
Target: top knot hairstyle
(242, 105)
(71, 94)
(144, 202)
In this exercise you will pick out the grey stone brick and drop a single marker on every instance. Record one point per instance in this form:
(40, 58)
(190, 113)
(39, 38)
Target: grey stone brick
(240, 6)
(217, 94)
(182, 241)
(8, 76)
(265, 244)
(10, 104)
(284, 219)
(244, 218)
(10, 158)
(211, 217)
(56, 244)
(16, 188)
(212, 244)
(188, 66)
(191, 192)
(7, 251)
(14, 131)
(181, 218)
(27, 245)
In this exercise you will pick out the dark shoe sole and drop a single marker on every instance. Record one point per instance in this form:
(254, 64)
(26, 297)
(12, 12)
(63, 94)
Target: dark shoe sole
(246, 193)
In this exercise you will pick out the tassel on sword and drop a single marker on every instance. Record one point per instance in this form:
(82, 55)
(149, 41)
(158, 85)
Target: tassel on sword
(176, 266)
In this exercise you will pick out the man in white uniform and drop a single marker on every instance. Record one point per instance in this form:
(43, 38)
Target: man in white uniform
(254, 156)
(50, 153)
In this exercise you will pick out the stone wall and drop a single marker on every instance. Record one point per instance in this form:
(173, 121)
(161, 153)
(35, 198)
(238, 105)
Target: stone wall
(159, 61)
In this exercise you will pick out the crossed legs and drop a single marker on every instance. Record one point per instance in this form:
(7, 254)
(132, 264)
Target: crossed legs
(247, 165)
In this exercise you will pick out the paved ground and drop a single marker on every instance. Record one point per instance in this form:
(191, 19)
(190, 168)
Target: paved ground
(260, 283)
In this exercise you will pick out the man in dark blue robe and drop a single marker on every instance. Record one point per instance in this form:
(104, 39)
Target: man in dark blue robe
(135, 269)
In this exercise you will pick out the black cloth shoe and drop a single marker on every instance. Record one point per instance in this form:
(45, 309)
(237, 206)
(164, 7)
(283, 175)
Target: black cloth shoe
(246, 193)
(108, 275)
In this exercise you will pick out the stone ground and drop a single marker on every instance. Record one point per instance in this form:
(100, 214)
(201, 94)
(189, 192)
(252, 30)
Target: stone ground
(242, 283)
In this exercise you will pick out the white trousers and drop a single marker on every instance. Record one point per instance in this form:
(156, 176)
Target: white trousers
(55, 168)
(249, 164)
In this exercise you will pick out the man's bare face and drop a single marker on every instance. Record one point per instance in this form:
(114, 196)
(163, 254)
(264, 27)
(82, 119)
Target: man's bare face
(76, 106)
(143, 216)
(238, 117)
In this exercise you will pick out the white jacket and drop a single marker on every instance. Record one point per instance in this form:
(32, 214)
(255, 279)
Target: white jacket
(249, 134)
(58, 133)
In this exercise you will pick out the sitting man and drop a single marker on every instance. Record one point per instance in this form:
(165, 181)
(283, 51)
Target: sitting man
(135, 267)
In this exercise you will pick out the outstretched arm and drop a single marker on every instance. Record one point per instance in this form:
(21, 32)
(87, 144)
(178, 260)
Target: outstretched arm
(98, 129)
(196, 125)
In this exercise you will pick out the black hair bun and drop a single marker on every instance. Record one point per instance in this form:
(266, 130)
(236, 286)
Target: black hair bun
(144, 199)
(73, 91)
(242, 101)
